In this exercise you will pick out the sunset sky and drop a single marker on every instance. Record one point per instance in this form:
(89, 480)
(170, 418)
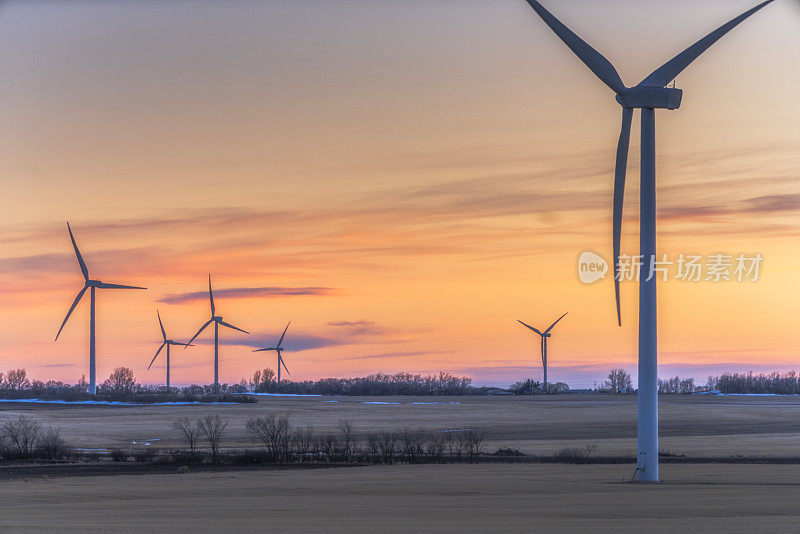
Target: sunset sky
(402, 180)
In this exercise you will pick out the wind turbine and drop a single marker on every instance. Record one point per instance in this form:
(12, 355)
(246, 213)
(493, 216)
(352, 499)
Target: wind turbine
(544, 335)
(217, 320)
(651, 94)
(167, 343)
(91, 285)
(278, 348)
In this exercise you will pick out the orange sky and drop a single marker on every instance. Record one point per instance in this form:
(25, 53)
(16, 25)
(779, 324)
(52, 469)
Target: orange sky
(415, 175)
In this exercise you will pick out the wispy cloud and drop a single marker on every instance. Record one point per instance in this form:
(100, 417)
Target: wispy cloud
(358, 328)
(246, 292)
(388, 355)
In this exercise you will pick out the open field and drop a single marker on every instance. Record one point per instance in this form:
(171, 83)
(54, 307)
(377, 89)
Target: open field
(450, 498)
(695, 426)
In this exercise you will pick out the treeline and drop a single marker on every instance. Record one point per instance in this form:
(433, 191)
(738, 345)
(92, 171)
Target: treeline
(120, 386)
(771, 383)
(372, 385)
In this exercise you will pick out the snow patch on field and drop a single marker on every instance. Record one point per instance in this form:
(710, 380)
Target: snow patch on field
(379, 402)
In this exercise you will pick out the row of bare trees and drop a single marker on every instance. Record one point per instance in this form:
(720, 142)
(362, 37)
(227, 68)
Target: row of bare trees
(281, 442)
(24, 438)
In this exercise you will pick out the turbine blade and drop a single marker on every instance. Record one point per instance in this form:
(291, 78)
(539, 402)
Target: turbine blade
(198, 332)
(211, 296)
(555, 323)
(265, 349)
(74, 303)
(181, 344)
(223, 323)
(104, 285)
(156, 356)
(284, 364)
(284, 333)
(529, 326)
(670, 70)
(163, 333)
(619, 196)
(599, 65)
(84, 270)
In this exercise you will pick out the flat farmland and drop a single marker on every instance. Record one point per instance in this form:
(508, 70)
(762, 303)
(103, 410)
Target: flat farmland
(413, 498)
(695, 426)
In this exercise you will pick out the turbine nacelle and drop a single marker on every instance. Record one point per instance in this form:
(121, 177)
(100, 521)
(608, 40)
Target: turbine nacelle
(650, 97)
(94, 283)
(216, 318)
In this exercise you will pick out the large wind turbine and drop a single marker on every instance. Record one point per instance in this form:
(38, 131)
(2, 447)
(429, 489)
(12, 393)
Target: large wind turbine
(544, 335)
(167, 343)
(91, 285)
(278, 348)
(217, 320)
(651, 94)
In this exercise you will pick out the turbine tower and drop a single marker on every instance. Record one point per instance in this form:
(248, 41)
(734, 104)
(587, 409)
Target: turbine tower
(167, 343)
(217, 320)
(278, 348)
(651, 94)
(544, 335)
(91, 285)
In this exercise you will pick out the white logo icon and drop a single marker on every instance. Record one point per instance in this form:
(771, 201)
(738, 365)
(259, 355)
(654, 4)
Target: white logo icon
(591, 267)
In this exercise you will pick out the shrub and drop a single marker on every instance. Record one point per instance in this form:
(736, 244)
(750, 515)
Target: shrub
(20, 437)
(574, 455)
(144, 455)
(51, 446)
(118, 455)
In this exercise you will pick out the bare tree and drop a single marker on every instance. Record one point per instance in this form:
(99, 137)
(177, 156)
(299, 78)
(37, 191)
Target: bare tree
(435, 445)
(619, 381)
(17, 380)
(300, 443)
(387, 443)
(21, 435)
(472, 442)
(274, 433)
(189, 431)
(346, 430)
(212, 428)
(121, 381)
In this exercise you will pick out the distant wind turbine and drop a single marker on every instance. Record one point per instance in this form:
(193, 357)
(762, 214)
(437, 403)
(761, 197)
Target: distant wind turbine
(92, 285)
(217, 320)
(167, 343)
(651, 94)
(279, 349)
(544, 335)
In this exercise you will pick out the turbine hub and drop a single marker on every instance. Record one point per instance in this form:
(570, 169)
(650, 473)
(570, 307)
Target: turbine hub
(651, 97)
(216, 318)
(93, 283)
